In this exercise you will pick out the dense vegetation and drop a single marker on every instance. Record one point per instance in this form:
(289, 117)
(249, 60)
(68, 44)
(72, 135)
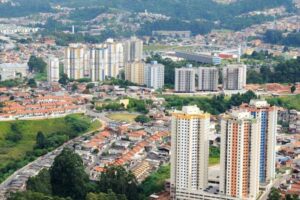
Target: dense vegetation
(23, 141)
(277, 37)
(23, 8)
(37, 64)
(284, 72)
(67, 180)
(215, 105)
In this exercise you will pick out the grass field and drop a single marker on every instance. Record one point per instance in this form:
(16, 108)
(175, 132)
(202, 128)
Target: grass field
(127, 117)
(214, 161)
(13, 151)
(290, 102)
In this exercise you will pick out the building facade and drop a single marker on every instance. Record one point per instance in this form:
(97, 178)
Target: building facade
(53, 70)
(135, 72)
(234, 77)
(76, 63)
(239, 174)
(133, 50)
(208, 78)
(268, 130)
(185, 80)
(190, 152)
(98, 56)
(154, 75)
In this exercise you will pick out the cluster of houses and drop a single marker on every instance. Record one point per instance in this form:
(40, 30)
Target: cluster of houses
(139, 148)
(288, 162)
(26, 105)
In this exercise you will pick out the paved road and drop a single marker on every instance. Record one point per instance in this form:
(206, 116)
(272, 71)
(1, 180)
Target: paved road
(21, 176)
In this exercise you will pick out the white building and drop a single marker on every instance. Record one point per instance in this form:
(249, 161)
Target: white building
(13, 70)
(240, 149)
(76, 61)
(208, 78)
(98, 63)
(133, 50)
(185, 80)
(53, 70)
(234, 77)
(154, 75)
(189, 152)
(115, 57)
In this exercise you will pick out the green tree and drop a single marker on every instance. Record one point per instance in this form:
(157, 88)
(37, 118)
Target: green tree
(68, 177)
(117, 179)
(29, 195)
(293, 89)
(105, 196)
(142, 119)
(274, 194)
(41, 141)
(64, 80)
(32, 83)
(40, 183)
(37, 64)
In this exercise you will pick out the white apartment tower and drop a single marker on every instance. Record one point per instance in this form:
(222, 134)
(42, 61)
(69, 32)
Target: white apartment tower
(190, 153)
(268, 122)
(185, 80)
(98, 63)
(115, 57)
(76, 61)
(208, 78)
(133, 50)
(234, 77)
(154, 75)
(240, 149)
(53, 70)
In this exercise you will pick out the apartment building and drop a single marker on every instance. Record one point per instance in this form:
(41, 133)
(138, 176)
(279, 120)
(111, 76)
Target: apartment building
(240, 150)
(208, 78)
(185, 80)
(190, 152)
(53, 70)
(154, 75)
(234, 77)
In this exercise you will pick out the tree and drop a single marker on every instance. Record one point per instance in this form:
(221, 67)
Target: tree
(32, 83)
(68, 177)
(103, 196)
(291, 197)
(293, 89)
(64, 80)
(40, 140)
(37, 64)
(117, 179)
(40, 183)
(90, 86)
(274, 194)
(29, 195)
(142, 119)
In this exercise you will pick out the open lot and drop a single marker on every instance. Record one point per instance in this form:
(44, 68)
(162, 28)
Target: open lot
(127, 117)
